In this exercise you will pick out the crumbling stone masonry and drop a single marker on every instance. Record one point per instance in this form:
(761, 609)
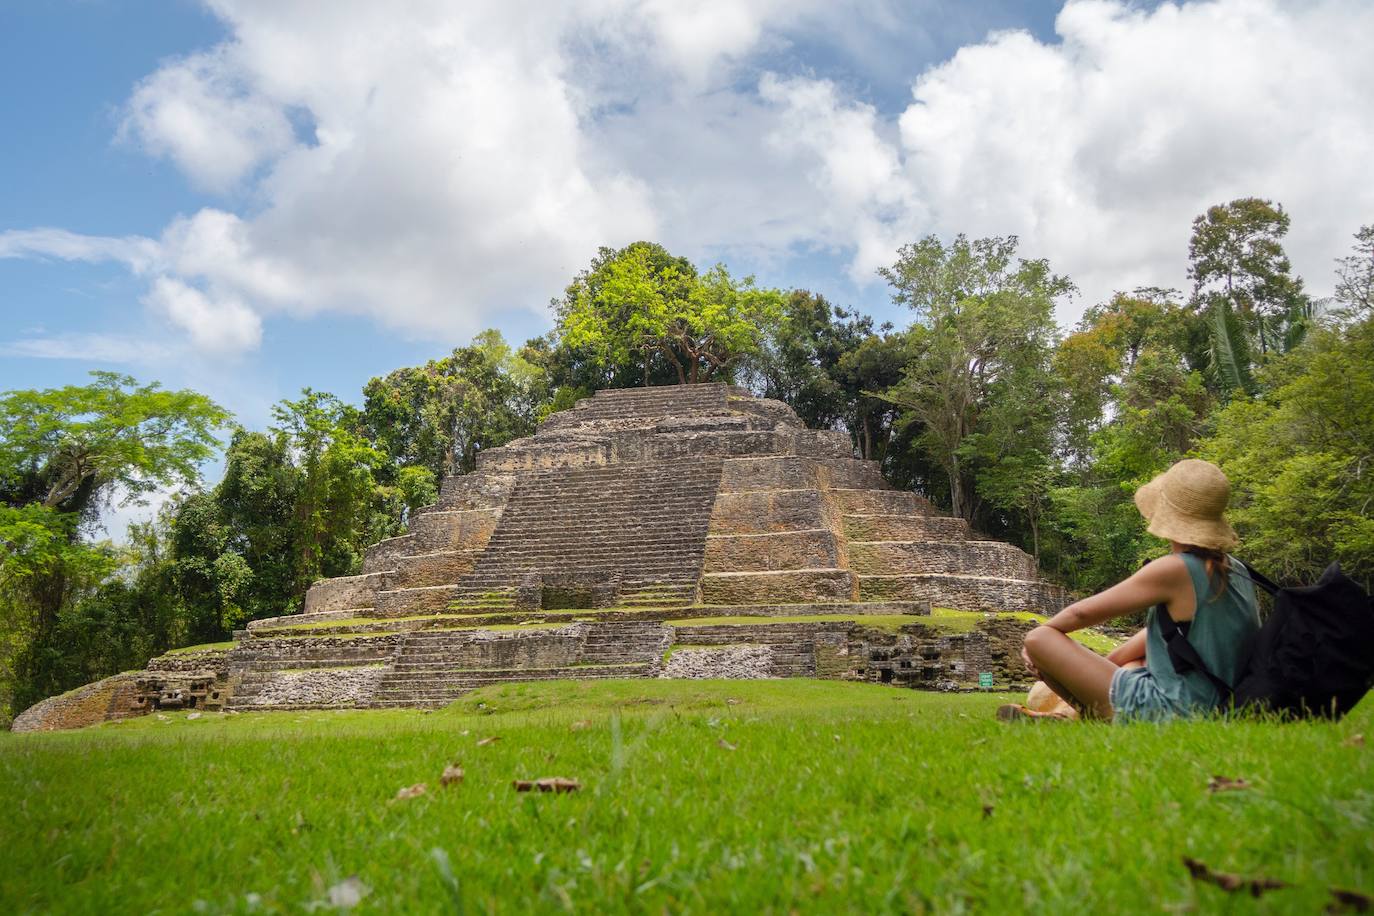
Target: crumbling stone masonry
(676, 531)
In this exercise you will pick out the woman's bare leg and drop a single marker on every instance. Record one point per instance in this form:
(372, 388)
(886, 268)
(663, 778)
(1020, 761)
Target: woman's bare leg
(1075, 672)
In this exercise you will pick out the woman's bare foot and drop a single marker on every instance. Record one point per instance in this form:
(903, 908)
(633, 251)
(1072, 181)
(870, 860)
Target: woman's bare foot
(1013, 712)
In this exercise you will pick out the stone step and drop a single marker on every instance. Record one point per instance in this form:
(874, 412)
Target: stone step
(878, 527)
(790, 586)
(966, 593)
(442, 567)
(993, 559)
(446, 687)
(765, 511)
(441, 678)
(555, 546)
(886, 502)
(343, 592)
(825, 608)
(805, 549)
(594, 493)
(410, 601)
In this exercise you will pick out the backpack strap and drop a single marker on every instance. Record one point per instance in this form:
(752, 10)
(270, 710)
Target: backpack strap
(1182, 654)
(1260, 579)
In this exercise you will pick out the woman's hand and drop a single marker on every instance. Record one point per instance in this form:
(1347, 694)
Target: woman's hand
(1132, 650)
(1030, 665)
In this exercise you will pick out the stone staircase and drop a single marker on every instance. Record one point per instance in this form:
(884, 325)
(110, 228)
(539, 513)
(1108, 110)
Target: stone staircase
(638, 529)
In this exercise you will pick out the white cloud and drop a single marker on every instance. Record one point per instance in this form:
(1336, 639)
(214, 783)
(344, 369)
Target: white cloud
(93, 348)
(1099, 150)
(223, 325)
(137, 252)
(432, 165)
(200, 112)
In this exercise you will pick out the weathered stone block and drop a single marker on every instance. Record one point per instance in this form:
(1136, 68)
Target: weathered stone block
(772, 472)
(904, 528)
(881, 502)
(444, 567)
(967, 593)
(424, 600)
(776, 550)
(980, 558)
(759, 511)
(343, 593)
(789, 587)
(459, 529)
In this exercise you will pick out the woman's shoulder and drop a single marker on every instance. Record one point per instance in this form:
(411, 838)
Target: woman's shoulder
(1171, 566)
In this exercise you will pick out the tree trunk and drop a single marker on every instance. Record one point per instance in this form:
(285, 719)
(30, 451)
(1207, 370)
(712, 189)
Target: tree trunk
(677, 364)
(956, 491)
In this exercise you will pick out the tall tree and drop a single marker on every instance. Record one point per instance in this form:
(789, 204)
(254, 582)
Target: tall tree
(641, 303)
(1106, 346)
(441, 414)
(334, 515)
(69, 448)
(64, 454)
(983, 318)
(1355, 277)
(1243, 279)
(1299, 457)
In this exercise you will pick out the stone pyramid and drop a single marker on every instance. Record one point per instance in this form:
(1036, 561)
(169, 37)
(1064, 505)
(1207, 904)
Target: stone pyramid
(672, 531)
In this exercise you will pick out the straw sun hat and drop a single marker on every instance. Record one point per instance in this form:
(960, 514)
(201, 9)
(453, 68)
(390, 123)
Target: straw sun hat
(1186, 504)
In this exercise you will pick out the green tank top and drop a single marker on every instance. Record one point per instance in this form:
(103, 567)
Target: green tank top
(1221, 632)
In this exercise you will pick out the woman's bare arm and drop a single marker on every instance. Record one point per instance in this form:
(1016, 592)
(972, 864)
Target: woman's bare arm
(1155, 583)
(1131, 650)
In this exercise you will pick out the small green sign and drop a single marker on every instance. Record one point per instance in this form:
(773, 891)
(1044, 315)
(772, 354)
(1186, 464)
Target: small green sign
(985, 679)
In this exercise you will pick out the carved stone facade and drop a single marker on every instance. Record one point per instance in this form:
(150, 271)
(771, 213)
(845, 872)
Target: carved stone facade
(639, 521)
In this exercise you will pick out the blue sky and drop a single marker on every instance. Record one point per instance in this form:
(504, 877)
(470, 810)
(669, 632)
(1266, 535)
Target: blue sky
(249, 198)
(71, 66)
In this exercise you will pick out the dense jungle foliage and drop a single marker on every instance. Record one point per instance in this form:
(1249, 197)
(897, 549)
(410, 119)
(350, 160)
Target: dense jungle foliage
(1033, 435)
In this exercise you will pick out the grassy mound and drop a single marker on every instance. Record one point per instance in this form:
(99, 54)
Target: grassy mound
(698, 796)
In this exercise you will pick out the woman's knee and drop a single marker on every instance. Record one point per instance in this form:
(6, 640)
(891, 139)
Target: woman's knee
(1038, 639)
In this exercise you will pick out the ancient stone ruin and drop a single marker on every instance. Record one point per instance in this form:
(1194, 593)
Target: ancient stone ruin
(684, 531)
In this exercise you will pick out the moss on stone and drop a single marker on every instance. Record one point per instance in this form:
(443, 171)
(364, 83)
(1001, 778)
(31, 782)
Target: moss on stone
(952, 621)
(203, 647)
(877, 621)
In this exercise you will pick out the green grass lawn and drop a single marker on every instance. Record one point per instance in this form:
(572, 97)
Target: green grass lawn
(704, 797)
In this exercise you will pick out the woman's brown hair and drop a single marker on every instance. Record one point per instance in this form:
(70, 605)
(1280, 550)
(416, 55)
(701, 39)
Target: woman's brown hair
(1218, 566)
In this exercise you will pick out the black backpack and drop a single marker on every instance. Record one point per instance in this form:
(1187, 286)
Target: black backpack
(1314, 656)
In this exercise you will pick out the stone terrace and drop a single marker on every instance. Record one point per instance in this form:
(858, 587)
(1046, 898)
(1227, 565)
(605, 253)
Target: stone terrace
(580, 551)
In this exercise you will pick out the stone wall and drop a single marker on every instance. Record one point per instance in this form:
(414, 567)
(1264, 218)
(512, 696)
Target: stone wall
(992, 559)
(786, 587)
(723, 662)
(762, 511)
(343, 593)
(317, 688)
(79, 708)
(773, 550)
(205, 660)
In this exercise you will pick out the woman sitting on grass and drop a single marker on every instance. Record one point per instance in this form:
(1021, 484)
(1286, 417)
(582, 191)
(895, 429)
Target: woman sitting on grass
(1207, 592)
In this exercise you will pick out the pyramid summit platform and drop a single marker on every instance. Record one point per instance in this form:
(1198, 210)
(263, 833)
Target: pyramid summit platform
(682, 531)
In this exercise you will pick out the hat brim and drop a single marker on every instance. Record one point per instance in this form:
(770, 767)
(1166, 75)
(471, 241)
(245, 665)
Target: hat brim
(1168, 522)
